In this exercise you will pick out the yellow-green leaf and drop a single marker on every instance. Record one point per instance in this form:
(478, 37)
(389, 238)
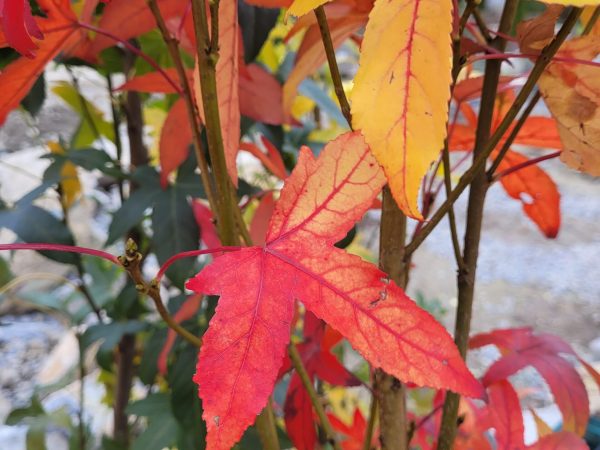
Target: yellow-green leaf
(402, 88)
(301, 7)
(578, 3)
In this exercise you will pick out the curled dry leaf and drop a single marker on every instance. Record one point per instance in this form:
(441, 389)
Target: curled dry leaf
(402, 88)
(572, 94)
(534, 34)
(244, 346)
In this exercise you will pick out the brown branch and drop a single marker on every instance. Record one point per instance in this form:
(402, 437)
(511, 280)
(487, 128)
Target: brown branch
(312, 393)
(207, 60)
(371, 424)
(190, 103)
(389, 391)
(480, 160)
(333, 66)
(477, 194)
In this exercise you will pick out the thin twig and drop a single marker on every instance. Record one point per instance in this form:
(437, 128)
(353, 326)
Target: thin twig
(525, 164)
(590, 25)
(371, 424)
(116, 123)
(333, 66)
(312, 393)
(465, 180)
(451, 216)
(513, 134)
(190, 103)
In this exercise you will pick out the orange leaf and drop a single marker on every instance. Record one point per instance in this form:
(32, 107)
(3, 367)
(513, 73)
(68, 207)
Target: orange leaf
(227, 84)
(261, 96)
(260, 221)
(130, 18)
(204, 219)
(153, 82)
(271, 160)
(536, 191)
(534, 34)
(397, 104)
(175, 139)
(19, 76)
(245, 343)
(311, 54)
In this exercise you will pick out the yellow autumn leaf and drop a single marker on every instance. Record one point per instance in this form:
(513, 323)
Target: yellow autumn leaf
(70, 185)
(401, 91)
(301, 7)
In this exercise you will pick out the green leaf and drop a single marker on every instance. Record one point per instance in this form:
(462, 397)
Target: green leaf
(175, 231)
(161, 431)
(36, 225)
(34, 100)
(152, 405)
(148, 370)
(131, 212)
(111, 333)
(186, 404)
(92, 121)
(5, 273)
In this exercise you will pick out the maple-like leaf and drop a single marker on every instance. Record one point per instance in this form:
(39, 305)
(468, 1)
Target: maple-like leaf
(19, 27)
(18, 77)
(399, 106)
(578, 3)
(520, 347)
(571, 94)
(245, 343)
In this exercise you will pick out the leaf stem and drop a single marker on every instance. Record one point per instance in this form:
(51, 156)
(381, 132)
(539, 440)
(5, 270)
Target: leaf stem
(312, 393)
(480, 160)
(62, 248)
(525, 164)
(188, 96)
(190, 254)
(333, 66)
